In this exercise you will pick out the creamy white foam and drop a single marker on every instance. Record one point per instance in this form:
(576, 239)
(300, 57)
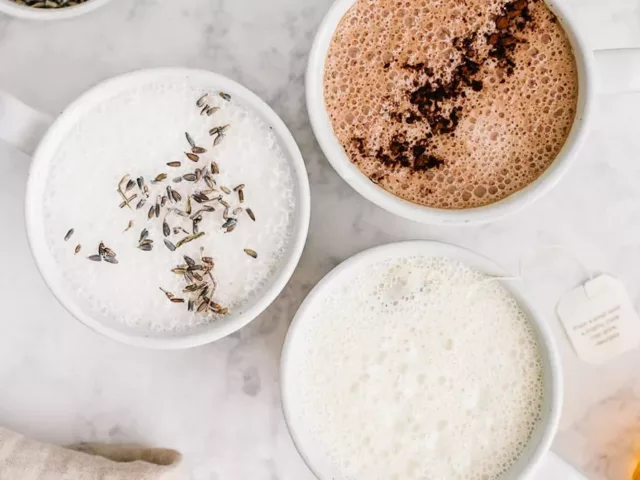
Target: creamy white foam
(416, 369)
(138, 132)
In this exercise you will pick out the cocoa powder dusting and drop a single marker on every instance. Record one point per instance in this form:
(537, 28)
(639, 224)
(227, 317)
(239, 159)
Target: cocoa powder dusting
(436, 101)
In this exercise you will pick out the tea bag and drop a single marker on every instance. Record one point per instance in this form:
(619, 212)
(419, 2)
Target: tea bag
(600, 320)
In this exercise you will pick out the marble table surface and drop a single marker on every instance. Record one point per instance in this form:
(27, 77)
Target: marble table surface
(219, 404)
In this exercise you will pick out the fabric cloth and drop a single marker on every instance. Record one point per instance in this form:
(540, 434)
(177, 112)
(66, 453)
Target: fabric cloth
(24, 459)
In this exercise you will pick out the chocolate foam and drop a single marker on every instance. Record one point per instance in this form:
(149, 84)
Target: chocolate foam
(451, 104)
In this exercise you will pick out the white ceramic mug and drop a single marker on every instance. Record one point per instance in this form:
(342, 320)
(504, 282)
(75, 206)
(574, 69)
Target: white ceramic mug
(29, 131)
(619, 69)
(540, 442)
(31, 13)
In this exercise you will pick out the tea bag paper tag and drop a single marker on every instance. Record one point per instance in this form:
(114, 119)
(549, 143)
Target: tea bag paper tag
(600, 320)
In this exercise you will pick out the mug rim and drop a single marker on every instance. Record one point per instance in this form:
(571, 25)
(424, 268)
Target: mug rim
(337, 157)
(212, 331)
(30, 13)
(547, 344)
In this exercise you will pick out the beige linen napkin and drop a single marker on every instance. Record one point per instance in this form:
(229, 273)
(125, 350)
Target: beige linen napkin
(24, 459)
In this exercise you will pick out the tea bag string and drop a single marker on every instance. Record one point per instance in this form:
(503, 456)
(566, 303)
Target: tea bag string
(525, 260)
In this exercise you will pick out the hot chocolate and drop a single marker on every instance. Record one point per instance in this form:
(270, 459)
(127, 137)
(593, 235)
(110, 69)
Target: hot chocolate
(451, 104)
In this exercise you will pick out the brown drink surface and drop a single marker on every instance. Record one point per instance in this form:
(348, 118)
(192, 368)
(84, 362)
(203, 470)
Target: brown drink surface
(451, 103)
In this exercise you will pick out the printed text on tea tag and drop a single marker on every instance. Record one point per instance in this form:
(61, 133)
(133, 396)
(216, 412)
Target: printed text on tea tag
(600, 320)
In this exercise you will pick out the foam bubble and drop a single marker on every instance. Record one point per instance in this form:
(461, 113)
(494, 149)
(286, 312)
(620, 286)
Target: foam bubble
(402, 373)
(508, 133)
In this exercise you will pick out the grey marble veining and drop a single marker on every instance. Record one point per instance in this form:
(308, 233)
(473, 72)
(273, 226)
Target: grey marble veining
(219, 404)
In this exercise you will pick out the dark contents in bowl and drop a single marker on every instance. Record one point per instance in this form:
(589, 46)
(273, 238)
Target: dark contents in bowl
(49, 3)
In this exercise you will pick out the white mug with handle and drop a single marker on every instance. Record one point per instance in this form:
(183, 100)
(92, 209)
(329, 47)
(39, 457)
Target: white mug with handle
(40, 135)
(606, 71)
(535, 463)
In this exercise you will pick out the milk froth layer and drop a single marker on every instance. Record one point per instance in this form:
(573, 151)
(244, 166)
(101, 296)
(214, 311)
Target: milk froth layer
(451, 104)
(417, 368)
(139, 131)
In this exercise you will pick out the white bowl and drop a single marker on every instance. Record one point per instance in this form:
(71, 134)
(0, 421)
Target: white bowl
(77, 305)
(349, 172)
(543, 435)
(30, 13)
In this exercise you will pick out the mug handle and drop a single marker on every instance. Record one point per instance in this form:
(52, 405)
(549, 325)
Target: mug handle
(20, 125)
(552, 467)
(618, 70)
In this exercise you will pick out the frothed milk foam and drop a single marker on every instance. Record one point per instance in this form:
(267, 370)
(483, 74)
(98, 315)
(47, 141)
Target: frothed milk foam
(416, 369)
(138, 131)
(451, 104)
